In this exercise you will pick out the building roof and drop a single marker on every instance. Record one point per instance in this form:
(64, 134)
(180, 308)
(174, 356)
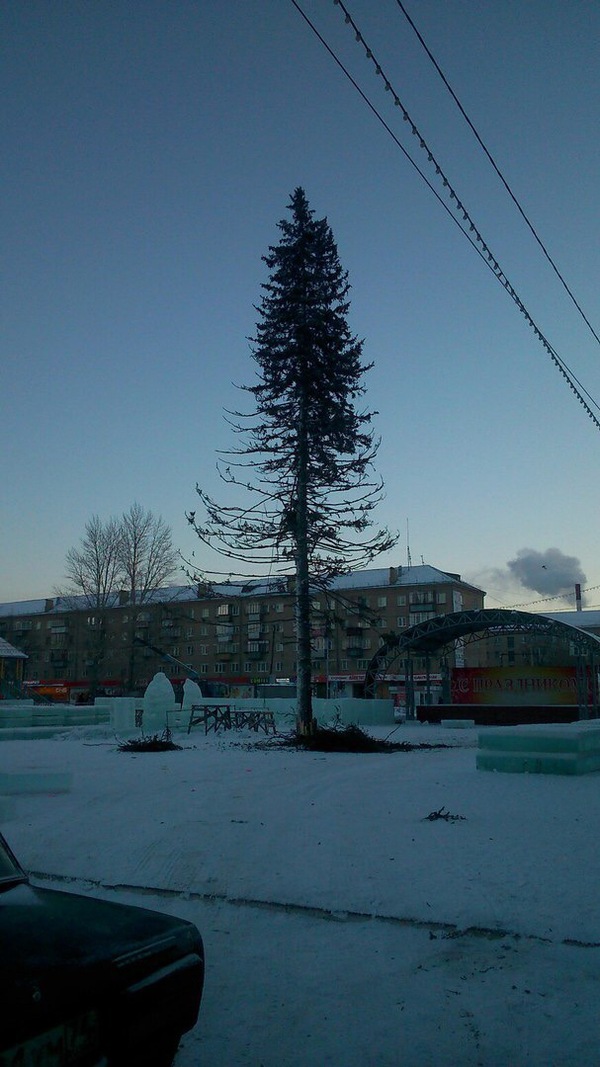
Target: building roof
(8, 651)
(583, 619)
(23, 607)
(374, 578)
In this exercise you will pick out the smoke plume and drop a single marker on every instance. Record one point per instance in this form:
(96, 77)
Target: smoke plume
(549, 573)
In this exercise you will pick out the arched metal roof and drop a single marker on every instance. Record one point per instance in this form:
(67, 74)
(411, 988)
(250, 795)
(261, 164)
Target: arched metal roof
(434, 634)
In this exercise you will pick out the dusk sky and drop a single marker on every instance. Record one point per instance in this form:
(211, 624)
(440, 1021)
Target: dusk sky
(149, 150)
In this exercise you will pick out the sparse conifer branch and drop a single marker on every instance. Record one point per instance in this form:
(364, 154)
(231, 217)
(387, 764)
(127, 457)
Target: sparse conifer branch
(311, 451)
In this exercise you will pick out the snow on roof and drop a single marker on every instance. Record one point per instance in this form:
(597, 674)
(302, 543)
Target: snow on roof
(23, 607)
(585, 620)
(8, 651)
(375, 578)
(423, 574)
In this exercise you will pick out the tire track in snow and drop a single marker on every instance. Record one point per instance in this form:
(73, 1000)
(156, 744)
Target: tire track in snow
(450, 930)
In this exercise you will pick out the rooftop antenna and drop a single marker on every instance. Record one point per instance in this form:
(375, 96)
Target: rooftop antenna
(408, 559)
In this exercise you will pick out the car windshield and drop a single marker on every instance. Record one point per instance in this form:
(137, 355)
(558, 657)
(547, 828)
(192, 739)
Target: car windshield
(9, 868)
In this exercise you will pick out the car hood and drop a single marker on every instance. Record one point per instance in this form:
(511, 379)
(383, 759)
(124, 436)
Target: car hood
(58, 947)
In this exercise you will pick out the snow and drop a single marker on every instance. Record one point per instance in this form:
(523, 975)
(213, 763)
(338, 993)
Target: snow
(341, 925)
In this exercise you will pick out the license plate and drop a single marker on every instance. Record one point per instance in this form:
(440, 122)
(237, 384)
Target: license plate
(68, 1045)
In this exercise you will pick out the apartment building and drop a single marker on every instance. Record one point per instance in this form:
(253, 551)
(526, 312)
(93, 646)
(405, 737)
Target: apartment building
(235, 637)
(535, 650)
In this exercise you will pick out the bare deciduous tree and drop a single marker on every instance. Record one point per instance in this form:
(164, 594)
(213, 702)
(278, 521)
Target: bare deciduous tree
(148, 558)
(119, 560)
(93, 571)
(148, 561)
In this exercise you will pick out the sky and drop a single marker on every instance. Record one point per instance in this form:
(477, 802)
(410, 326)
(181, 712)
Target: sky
(339, 933)
(149, 151)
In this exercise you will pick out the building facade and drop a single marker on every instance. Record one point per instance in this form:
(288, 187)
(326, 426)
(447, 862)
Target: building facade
(236, 638)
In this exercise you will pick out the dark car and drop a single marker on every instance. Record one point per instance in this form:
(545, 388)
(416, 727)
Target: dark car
(89, 983)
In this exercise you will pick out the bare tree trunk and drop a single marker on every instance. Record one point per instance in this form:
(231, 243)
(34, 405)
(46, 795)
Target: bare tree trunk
(132, 652)
(304, 715)
(98, 653)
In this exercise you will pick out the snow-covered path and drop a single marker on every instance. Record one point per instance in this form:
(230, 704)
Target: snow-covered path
(358, 954)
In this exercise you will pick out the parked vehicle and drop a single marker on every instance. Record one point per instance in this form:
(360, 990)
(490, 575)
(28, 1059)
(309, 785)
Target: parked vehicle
(90, 983)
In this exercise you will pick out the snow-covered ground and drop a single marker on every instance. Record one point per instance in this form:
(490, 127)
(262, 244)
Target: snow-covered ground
(341, 926)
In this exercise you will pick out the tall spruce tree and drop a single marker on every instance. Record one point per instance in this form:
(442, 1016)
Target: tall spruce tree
(309, 451)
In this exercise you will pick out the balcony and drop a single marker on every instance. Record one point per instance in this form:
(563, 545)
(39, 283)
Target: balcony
(224, 633)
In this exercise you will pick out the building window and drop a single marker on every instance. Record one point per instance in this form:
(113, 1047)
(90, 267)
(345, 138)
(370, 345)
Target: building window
(189, 650)
(221, 668)
(417, 617)
(401, 601)
(401, 622)
(382, 602)
(203, 650)
(223, 609)
(423, 596)
(278, 664)
(206, 613)
(279, 606)
(344, 665)
(441, 598)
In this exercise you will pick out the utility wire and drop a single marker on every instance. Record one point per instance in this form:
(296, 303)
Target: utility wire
(498, 171)
(574, 384)
(557, 596)
(477, 242)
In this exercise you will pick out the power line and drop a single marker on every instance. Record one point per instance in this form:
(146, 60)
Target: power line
(498, 171)
(546, 599)
(574, 384)
(476, 241)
